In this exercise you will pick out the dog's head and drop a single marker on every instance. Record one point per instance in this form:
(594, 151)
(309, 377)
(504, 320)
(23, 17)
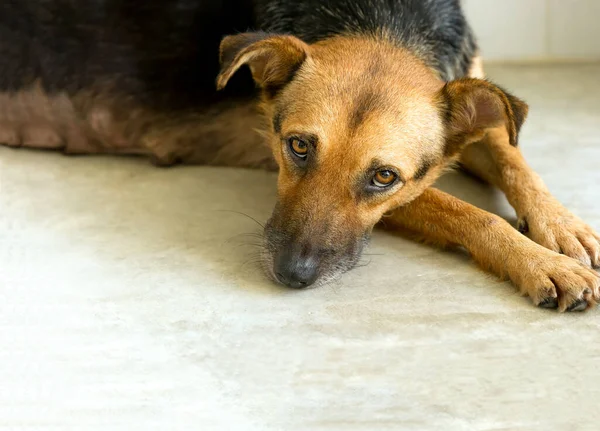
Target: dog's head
(358, 127)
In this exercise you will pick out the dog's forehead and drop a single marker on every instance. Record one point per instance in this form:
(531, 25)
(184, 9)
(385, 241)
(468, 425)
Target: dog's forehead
(354, 111)
(377, 62)
(345, 89)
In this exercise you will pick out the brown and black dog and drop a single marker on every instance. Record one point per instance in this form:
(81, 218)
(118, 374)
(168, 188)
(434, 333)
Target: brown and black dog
(360, 104)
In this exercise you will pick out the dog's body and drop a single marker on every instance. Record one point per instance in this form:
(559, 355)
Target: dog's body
(120, 76)
(363, 104)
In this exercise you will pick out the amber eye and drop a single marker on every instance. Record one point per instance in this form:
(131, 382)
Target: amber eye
(298, 147)
(384, 178)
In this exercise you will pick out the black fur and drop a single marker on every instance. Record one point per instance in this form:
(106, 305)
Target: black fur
(165, 52)
(161, 52)
(518, 108)
(435, 29)
(277, 119)
(365, 103)
(426, 164)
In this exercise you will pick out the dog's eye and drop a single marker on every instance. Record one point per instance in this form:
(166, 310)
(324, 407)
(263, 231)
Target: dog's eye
(298, 147)
(384, 178)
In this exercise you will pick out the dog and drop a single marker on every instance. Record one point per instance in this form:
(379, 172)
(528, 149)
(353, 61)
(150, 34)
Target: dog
(359, 104)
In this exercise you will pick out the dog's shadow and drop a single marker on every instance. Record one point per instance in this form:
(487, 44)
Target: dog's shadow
(198, 223)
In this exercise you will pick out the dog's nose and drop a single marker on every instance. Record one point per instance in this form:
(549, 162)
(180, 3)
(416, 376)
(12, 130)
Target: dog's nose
(296, 279)
(295, 271)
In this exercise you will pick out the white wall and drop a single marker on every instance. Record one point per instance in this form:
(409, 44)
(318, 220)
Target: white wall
(536, 29)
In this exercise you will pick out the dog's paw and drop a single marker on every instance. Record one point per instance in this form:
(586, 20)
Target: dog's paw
(552, 280)
(556, 228)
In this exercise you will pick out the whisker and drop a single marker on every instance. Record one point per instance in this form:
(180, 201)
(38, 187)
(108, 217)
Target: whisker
(240, 242)
(362, 265)
(252, 234)
(242, 237)
(245, 215)
(251, 262)
(254, 245)
(246, 238)
(331, 285)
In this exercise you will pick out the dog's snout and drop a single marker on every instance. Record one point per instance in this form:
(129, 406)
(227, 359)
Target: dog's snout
(296, 270)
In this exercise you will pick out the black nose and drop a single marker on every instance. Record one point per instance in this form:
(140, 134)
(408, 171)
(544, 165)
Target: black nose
(295, 270)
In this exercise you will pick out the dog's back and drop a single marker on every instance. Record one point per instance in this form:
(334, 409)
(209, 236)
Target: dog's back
(160, 50)
(104, 75)
(98, 76)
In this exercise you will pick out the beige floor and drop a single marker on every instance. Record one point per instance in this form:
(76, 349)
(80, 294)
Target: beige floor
(128, 301)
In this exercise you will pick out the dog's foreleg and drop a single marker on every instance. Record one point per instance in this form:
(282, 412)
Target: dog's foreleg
(541, 216)
(550, 279)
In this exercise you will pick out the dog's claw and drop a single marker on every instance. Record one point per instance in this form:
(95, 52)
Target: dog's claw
(578, 305)
(522, 226)
(549, 303)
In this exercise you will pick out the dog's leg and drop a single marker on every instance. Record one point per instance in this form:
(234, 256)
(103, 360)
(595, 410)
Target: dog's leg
(541, 216)
(550, 279)
(226, 134)
(83, 123)
(32, 118)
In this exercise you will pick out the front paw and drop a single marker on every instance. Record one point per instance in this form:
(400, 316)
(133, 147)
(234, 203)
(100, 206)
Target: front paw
(552, 280)
(556, 228)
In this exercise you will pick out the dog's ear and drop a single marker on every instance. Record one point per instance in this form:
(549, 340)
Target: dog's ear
(273, 59)
(471, 106)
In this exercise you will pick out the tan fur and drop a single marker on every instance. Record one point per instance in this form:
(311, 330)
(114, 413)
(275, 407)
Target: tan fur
(223, 135)
(96, 122)
(271, 60)
(497, 247)
(546, 221)
(476, 69)
(32, 118)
